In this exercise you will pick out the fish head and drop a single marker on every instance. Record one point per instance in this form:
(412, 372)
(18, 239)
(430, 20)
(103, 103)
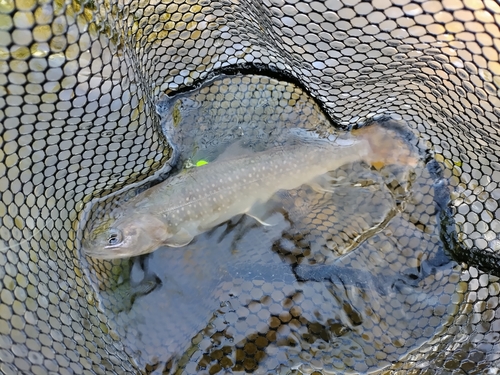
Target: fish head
(125, 237)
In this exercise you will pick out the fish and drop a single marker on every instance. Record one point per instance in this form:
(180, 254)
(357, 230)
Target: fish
(239, 181)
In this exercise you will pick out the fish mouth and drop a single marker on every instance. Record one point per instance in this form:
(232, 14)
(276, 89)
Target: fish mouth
(91, 248)
(95, 240)
(108, 254)
(94, 248)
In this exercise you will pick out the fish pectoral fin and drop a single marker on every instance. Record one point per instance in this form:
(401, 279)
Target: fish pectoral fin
(180, 239)
(263, 214)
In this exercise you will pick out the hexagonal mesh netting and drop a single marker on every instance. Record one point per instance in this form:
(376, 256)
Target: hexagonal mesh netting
(78, 85)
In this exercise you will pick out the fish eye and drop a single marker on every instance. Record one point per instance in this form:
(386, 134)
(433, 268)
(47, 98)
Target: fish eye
(114, 238)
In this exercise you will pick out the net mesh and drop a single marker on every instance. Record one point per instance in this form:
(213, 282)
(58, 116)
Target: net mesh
(78, 84)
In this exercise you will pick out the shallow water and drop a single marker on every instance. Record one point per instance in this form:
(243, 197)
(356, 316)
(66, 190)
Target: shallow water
(348, 281)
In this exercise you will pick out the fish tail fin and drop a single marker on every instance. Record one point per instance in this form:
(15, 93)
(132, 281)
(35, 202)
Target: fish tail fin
(389, 145)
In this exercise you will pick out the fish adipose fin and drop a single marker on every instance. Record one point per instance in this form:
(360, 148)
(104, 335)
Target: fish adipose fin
(180, 239)
(263, 213)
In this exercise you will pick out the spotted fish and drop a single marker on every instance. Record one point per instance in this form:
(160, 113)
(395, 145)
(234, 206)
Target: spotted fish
(239, 181)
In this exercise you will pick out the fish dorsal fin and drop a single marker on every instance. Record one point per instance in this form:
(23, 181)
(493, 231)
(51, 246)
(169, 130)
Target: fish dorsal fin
(242, 147)
(235, 150)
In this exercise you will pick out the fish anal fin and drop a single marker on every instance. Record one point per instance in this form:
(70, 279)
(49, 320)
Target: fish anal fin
(325, 183)
(264, 214)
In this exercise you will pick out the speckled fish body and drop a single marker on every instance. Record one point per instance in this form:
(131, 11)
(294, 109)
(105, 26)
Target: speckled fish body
(173, 212)
(206, 196)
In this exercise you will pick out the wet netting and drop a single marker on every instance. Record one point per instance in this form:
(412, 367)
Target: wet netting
(79, 85)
